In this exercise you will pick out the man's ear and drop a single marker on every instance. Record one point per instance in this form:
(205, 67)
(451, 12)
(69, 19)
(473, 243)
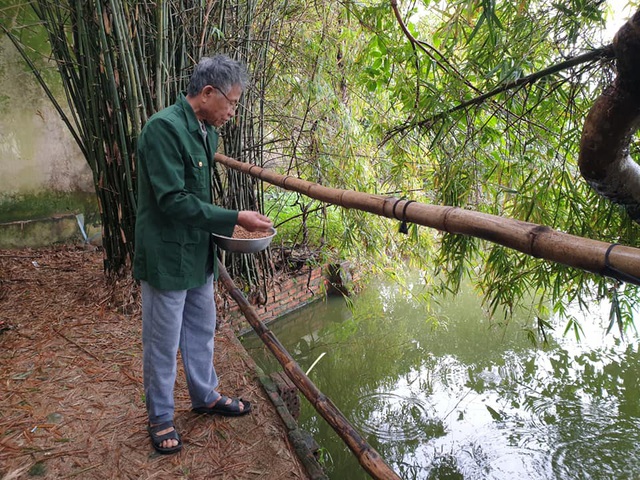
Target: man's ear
(207, 90)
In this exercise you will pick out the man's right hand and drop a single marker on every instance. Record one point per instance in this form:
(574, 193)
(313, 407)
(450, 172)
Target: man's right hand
(254, 221)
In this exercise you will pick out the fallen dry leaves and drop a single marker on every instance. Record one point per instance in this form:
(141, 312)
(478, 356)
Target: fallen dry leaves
(71, 396)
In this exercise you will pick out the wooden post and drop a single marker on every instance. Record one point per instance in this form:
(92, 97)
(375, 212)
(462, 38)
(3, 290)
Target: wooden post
(366, 455)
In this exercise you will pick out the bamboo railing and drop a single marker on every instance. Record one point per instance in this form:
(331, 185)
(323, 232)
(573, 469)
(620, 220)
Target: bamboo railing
(367, 456)
(608, 259)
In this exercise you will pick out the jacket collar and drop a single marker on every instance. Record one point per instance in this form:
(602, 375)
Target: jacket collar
(193, 125)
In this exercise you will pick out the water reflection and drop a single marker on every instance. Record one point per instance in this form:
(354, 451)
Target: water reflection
(392, 417)
(449, 394)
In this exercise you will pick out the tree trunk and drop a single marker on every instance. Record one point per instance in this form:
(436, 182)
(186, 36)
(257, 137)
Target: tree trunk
(604, 158)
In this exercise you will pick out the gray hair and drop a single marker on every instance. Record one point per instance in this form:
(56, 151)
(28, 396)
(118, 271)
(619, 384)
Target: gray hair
(219, 71)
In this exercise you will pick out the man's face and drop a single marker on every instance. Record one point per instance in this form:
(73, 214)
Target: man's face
(219, 107)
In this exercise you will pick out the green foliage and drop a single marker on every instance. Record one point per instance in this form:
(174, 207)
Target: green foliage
(324, 457)
(119, 62)
(359, 88)
(303, 221)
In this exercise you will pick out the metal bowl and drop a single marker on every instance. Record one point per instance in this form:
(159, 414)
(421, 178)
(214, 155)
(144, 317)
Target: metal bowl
(244, 245)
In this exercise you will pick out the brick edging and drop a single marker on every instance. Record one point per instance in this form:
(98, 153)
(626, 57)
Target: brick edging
(288, 292)
(296, 435)
(284, 295)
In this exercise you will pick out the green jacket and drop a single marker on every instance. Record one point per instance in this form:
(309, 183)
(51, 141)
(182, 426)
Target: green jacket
(176, 214)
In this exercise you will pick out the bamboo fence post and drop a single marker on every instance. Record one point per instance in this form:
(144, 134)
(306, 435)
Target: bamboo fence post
(602, 258)
(366, 455)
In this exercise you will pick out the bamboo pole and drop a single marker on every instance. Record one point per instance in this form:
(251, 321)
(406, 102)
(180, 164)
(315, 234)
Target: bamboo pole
(366, 455)
(603, 258)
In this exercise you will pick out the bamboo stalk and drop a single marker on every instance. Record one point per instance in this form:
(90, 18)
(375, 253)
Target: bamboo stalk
(367, 456)
(602, 258)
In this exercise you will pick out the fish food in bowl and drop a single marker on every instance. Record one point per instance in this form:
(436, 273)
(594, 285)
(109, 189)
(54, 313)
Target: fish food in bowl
(244, 241)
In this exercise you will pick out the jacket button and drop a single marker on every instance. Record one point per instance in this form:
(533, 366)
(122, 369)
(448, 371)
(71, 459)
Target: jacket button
(199, 164)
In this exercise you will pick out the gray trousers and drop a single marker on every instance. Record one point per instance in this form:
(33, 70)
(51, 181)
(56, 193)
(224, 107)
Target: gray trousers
(173, 319)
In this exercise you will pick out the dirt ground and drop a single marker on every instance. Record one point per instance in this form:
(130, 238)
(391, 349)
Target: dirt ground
(71, 395)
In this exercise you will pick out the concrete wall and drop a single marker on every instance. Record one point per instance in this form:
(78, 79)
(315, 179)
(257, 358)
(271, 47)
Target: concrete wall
(37, 152)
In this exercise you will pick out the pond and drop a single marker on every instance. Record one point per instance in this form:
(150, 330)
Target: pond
(447, 393)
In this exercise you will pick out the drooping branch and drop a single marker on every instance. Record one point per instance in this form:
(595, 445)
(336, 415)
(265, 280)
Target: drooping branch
(604, 158)
(605, 52)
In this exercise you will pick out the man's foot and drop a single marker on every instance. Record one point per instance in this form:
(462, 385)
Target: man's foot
(165, 438)
(226, 406)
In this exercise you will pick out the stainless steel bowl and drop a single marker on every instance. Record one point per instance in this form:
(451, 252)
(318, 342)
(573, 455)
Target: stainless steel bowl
(244, 245)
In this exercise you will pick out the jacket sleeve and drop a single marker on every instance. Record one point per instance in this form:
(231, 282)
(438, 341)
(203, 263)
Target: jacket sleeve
(169, 165)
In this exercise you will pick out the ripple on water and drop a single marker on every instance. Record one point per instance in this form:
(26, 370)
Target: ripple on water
(585, 448)
(599, 453)
(390, 416)
(501, 451)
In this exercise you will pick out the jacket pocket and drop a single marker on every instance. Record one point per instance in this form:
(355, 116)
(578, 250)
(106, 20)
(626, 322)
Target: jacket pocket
(170, 252)
(178, 244)
(196, 172)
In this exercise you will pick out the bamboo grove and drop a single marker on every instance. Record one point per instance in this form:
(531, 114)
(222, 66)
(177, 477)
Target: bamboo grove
(120, 62)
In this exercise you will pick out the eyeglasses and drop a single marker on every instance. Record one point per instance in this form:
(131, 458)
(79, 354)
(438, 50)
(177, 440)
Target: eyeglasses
(233, 104)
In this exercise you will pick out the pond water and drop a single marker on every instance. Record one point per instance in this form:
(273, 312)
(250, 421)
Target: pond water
(451, 394)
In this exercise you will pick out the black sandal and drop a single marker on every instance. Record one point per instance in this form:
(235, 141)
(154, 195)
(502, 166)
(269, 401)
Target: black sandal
(221, 407)
(156, 440)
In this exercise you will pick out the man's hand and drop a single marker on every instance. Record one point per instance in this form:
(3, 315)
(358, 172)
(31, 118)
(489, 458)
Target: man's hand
(253, 221)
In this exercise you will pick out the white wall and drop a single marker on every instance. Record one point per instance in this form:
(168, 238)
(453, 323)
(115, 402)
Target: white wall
(37, 152)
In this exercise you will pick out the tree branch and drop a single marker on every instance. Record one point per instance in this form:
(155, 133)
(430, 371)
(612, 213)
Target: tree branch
(605, 52)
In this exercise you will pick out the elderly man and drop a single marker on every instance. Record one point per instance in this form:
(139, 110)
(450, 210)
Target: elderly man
(174, 254)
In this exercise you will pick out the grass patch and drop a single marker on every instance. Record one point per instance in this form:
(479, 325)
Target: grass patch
(46, 204)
